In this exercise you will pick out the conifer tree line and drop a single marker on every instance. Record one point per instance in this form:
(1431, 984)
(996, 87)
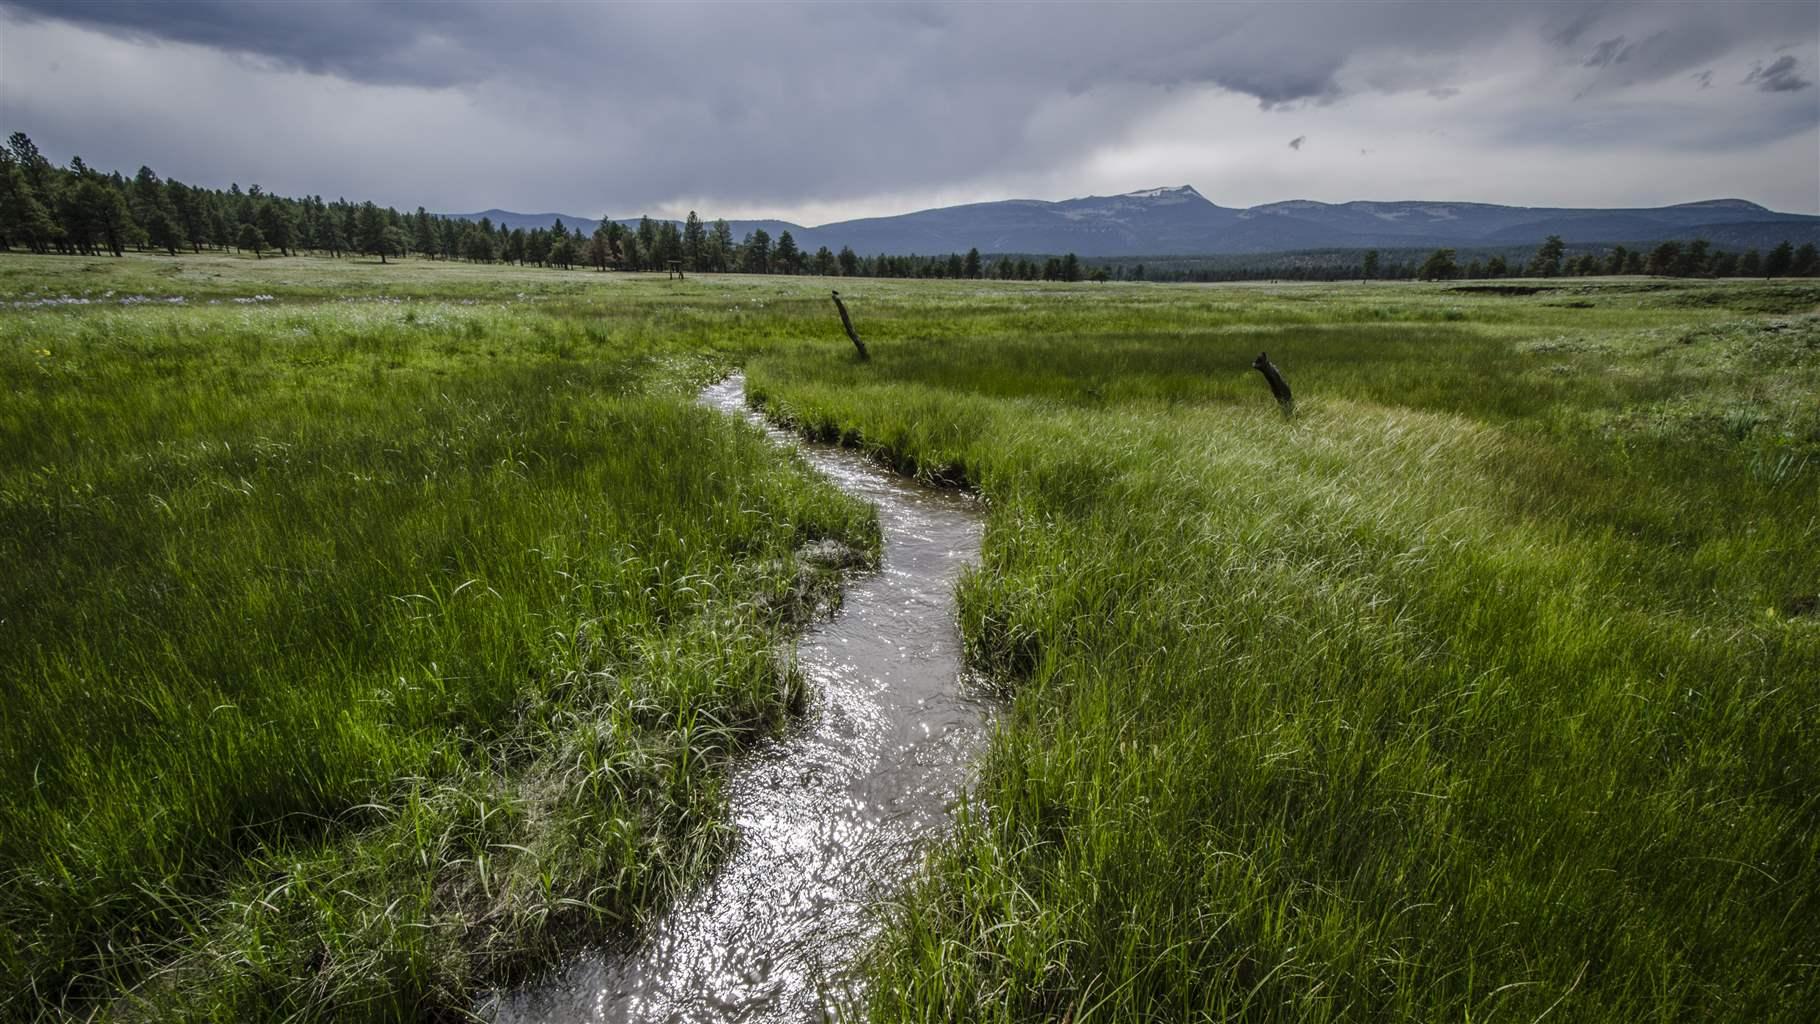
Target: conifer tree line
(1667, 259)
(1554, 258)
(82, 211)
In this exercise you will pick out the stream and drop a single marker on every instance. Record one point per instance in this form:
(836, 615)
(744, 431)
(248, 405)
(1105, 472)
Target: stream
(833, 814)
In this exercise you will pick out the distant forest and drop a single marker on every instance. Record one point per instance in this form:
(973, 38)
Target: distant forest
(80, 210)
(1554, 258)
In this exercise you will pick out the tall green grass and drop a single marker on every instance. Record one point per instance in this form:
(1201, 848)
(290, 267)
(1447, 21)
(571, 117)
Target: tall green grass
(370, 644)
(1485, 689)
(355, 657)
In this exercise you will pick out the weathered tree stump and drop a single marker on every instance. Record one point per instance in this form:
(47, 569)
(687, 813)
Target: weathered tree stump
(1278, 386)
(847, 322)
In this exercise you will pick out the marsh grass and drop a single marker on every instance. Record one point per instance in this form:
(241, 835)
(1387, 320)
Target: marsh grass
(360, 655)
(1479, 691)
(366, 645)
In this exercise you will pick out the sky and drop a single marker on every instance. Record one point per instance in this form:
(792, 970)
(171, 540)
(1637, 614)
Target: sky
(821, 112)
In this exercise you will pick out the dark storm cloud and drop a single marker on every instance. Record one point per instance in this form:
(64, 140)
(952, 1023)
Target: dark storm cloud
(1268, 51)
(787, 103)
(1780, 76)
(364, 41)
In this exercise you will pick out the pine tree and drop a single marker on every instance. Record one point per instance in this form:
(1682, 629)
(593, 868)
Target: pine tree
(306, 223)
(616, 238)
(104, 211)
(562, 248)
(694, 243)
(1439, 266)
(221, 228)
(331, 235)
(669, 245)
(162, 231)
(971, 267)
(537, 246)
(275, 224)
(1547, 261)
(477, 245)
(152, 211)
(755, 252)
(39, 173)
(787, 256)
(250, 238)
(369, 230)
(1694, 260)
(1664, 259)
(1780, 260)
(1807, 261)
(23, 217)
(600, 247)
(647, 243)
(423, 234)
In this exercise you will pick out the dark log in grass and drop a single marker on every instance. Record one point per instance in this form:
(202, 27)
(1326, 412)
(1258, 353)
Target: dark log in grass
(1278, 386)
(847, 322)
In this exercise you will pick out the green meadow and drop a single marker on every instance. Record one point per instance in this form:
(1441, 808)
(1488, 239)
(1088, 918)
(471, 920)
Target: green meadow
(371, 635)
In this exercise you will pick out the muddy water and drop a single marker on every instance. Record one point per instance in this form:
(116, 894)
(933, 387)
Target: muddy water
(832, 815)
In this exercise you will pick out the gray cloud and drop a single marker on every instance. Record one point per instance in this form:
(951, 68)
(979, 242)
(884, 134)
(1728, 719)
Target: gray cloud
(1609, 52)
(1780, 76)
(634, 106)
(372, 42)
(1263, 50)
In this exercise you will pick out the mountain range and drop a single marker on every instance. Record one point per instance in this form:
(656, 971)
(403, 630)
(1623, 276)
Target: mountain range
(1179, 221)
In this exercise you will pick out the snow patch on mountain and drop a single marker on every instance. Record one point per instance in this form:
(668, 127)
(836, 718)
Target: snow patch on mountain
(1177, 192)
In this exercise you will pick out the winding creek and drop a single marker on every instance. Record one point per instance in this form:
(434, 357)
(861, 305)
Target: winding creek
(833, 814)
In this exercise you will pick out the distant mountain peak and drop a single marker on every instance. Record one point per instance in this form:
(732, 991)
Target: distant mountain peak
(1165, 192)
(1721, 204)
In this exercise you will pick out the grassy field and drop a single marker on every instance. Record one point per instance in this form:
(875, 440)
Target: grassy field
(357, 653)
(369, 633)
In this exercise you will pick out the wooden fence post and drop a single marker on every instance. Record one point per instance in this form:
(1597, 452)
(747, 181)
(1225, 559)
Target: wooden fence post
(1278, 386)
(847, 322)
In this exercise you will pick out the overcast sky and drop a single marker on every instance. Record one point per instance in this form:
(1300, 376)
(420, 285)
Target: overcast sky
(819, 112)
